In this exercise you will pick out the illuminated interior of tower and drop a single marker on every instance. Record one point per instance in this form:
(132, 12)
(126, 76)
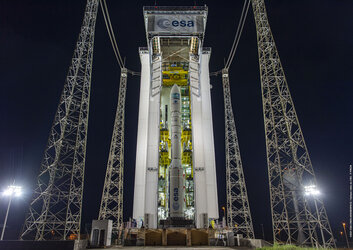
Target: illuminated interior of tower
(175, 68)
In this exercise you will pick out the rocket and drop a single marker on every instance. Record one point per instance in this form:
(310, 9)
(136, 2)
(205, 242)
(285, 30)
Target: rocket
(176, 191)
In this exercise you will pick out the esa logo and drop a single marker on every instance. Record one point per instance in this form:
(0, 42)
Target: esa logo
(167, 24)
(176, 198)
(176, 194)
(183, 23)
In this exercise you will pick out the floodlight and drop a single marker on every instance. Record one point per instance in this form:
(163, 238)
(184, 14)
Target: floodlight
(13, 190)
(10, 191)
(311, 190)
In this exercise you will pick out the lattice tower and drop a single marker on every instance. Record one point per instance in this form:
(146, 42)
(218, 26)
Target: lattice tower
(55, 211)
(296, 218)
(111, 207)
(238, 209)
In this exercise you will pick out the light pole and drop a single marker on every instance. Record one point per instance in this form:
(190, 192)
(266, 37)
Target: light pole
(224, 221)
(345, 233)
(10, 191)
(341, 233)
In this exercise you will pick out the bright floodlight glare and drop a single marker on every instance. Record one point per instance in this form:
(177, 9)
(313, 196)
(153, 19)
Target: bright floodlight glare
(311, 190)
(13, 190)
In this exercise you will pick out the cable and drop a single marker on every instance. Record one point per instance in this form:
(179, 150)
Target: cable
(216, 73)
(241, 30)
(111, 28)
(238, 33)
(134, 73)
(111, 33)
(242, 19)
(110, 36)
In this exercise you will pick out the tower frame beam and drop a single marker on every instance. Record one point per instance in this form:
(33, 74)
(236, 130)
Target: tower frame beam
(111, 207)
(238, 209)
(56, 207)
(296, 219)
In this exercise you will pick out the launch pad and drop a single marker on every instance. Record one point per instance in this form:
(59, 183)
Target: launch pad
(189, 237)
(172, 237)
(177, 222)
(175, 194)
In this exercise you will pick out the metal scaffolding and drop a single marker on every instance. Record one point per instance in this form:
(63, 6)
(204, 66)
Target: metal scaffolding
(297, 216)
(238, 209)
(55, 211)
(111, 207)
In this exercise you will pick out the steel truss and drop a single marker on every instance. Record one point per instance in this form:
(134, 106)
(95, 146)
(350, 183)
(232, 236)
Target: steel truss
(238, 209)
(111, 207)
(55, 211)
(297, 218)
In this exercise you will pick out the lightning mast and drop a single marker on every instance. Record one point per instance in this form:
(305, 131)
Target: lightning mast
(297, 218)
(238, 209)
(55, 211)
(111, 207)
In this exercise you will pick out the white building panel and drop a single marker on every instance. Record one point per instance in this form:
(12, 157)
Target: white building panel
(197, 139)
(208, 140)
(151, 191)
(141, 148)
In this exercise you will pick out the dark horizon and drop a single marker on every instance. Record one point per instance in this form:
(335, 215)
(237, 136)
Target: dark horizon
(37, 42)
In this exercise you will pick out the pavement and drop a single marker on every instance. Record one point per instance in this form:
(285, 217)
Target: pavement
(180, 248)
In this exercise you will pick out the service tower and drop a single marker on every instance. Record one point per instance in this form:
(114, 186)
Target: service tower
(175, 179)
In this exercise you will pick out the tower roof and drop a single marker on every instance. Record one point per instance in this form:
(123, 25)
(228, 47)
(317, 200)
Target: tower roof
(175, 20)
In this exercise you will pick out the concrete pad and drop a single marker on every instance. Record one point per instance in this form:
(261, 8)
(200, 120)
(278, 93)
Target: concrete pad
(179, 248)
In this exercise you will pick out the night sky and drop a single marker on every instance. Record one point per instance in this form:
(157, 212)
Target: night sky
(315, 43)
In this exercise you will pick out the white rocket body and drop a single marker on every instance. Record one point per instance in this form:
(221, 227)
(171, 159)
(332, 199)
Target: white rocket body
(176, 191)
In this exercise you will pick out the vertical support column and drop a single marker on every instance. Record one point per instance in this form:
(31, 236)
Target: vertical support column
(164, 237)
(289, 166)
(188, 237)
(238, 209)
(197, 140)
(208, 140)
(153, 143)
(111, 207)
(204, 164)
(142, 137)
(55, 210)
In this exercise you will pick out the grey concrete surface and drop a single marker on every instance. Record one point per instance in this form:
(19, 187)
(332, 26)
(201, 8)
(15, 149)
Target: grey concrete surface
(180, 248)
